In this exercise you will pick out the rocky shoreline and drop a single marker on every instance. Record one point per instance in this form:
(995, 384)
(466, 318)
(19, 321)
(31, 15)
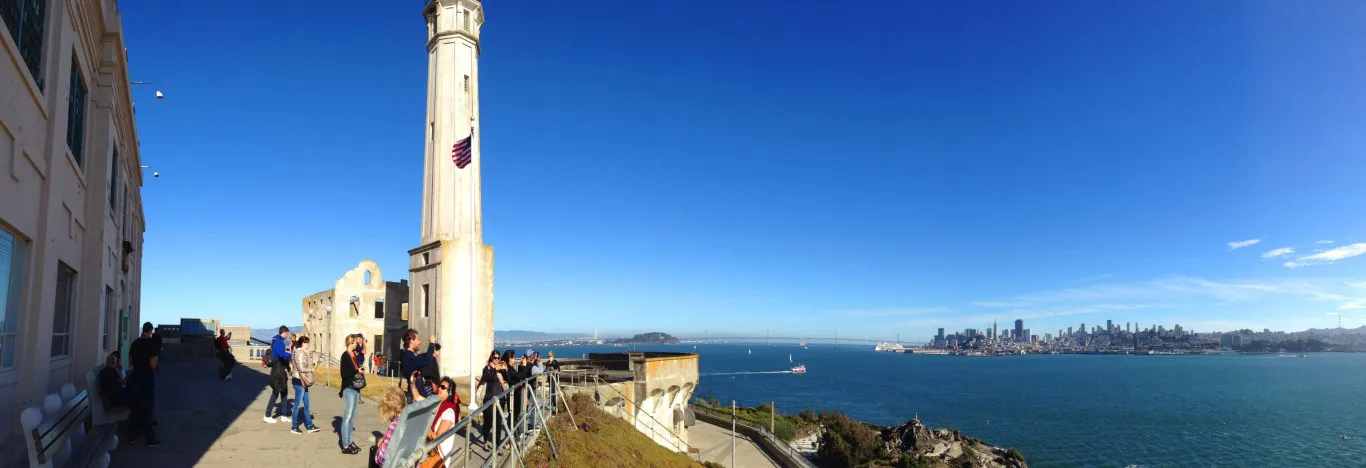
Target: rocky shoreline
(946, 447)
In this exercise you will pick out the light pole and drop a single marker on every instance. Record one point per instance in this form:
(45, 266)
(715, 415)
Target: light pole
(159, 95)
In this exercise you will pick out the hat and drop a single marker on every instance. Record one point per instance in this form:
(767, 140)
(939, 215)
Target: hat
(527, 353)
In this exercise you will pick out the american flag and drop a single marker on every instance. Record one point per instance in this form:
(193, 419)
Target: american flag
(462, 153)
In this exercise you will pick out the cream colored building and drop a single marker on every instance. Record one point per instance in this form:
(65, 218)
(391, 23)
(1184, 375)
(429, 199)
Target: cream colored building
(71, 220)
(650, 390)
(359, 302)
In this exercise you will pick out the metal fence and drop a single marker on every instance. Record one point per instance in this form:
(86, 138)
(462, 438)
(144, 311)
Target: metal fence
(408, 445)
(759, 427)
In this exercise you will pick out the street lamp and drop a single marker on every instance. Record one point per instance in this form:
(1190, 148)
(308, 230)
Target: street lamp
(159, 95)
(155, 174)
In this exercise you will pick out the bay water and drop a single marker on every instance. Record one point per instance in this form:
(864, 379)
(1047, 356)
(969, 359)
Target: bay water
(1069, 410)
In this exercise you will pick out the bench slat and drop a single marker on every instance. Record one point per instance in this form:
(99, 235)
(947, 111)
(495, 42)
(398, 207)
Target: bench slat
(47, 437)
(91, 446)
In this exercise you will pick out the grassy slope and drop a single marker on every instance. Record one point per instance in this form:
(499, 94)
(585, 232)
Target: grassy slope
(608, 442)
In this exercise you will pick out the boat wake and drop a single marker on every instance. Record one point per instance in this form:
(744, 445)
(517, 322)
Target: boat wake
(747, 373)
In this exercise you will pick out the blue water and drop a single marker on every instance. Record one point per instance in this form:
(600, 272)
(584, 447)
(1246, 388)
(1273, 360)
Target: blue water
(1073, 410)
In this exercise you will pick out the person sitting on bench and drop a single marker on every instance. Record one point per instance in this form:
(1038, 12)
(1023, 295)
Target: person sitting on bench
(113, 382)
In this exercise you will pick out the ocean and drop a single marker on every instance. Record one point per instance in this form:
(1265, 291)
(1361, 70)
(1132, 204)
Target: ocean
(1070, 410)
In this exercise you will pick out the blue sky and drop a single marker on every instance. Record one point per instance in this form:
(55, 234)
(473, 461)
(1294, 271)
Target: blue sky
(797, 166)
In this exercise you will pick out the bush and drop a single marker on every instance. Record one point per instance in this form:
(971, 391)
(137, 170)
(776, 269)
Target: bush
(712, 464)
(846, 442)
(909, 461)
(1014, 454)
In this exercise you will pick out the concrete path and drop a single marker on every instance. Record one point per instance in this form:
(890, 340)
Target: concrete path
(714, 444)
(208, 422)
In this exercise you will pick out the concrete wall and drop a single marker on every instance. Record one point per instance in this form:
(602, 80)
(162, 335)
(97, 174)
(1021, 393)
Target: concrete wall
(57, 208)
(350, 307)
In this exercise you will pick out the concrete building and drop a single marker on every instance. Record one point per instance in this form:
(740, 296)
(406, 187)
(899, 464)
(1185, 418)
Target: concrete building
(451, 269)
(71, 220)
(359, 302)
(650, 390)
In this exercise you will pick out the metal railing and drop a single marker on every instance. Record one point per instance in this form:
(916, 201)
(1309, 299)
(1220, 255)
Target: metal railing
(525, 429)
(587, 376)
(783, 448)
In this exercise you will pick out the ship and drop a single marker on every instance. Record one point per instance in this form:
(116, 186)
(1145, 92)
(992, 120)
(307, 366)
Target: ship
(800, 369)
(803, 343)
(889, 348)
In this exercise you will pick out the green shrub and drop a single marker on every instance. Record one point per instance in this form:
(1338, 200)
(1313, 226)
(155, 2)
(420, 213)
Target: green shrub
(1014, 454)
(909, 461)
(846, 442)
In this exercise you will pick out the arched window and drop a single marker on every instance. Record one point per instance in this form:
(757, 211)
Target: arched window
(367, 277)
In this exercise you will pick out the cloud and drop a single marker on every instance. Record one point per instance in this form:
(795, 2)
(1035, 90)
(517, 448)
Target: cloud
(1175, 291)
(1352, 306)
(1278, 252)
(1240, 244)
(1356, 284)
(1324, 242)
(1329, 256)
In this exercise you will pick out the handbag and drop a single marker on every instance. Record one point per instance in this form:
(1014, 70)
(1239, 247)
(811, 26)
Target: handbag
(357, 381)
(433, 460)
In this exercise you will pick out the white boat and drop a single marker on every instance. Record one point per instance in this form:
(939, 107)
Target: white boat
(789, 359)
(800, 369)
(889, 348)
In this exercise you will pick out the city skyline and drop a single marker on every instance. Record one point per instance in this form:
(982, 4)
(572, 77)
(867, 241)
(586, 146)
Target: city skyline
(946, 166)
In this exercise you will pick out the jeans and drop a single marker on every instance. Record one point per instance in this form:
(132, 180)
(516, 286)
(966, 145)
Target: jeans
(350, 397)
(283, 408)
(301, 404)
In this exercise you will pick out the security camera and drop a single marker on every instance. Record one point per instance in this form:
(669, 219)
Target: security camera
(156, 174)
(159, 95)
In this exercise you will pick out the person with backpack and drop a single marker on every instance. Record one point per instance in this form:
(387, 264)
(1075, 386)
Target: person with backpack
(301, 376)
(416, 367)
(278, 359)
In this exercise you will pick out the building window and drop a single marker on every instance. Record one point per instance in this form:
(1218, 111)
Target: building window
(61, 310)
(379, 345)
(426, 302)
(113, 180)
(25, 20)
(75, 116)
(467, 84)
(123, 224)
(465, 19)
(11, 262)
(367, 277)
(379, 309)
(108, 317)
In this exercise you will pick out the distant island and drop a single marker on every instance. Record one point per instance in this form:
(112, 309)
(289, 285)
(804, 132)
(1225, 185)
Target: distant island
(652, 338)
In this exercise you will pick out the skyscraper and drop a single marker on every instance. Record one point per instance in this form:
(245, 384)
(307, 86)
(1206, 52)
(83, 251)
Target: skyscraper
(1019, 329)
(996, 334)
(1109, 326)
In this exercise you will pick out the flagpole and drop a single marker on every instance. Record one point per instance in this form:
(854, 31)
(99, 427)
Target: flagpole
(472, 282)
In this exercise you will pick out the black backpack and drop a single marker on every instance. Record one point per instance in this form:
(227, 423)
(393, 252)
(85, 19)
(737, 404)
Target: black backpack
(269, 358)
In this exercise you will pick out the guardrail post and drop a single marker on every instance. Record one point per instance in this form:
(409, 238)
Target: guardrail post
(732, 434)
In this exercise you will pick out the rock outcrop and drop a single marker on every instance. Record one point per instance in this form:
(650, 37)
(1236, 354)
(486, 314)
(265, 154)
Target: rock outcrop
(945, 447)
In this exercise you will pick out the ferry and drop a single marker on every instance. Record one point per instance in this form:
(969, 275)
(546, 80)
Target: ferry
(800, 369)
(889, 348)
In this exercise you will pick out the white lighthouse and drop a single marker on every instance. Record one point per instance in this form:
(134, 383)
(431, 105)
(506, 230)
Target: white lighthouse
(451, 270)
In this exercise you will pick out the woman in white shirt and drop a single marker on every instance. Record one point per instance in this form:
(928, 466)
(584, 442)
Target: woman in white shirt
(446, 415)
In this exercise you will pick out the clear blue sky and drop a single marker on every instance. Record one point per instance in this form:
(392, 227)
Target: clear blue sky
(885, 168)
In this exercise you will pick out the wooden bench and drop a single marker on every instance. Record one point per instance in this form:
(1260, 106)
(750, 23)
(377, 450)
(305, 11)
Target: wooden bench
(100, 412)
(60, 438)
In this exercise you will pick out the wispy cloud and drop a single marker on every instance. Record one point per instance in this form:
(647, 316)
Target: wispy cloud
(1357, 284)
(1329, 256)
(1174, 290)
(1324, 242)
(1281, 252)
(1240, 244)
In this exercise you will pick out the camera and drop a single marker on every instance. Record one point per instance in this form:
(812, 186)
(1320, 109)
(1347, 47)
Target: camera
(155, 174)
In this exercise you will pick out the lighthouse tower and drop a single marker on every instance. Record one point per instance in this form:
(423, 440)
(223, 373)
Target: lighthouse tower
(451, 270)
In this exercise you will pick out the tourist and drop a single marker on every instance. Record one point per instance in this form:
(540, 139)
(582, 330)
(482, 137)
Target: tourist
(390, 406)
(350, 368)
(517, 372)
(226, 361)
(537, 370)
(412, 364)
(279, 377)
(446, 416)
(113, 385)
(144, 355)
(301, 376)
(492, 381)
(552, 366)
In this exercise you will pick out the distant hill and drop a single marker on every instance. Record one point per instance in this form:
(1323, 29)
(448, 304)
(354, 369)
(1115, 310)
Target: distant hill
(649, 338)
(266, 334)
(524, 336)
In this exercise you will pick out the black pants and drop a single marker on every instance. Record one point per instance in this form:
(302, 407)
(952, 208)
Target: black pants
(226, 362)
(140, 394)
(485, 427)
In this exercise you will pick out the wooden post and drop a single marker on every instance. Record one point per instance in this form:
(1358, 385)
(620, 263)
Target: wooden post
(772, 416)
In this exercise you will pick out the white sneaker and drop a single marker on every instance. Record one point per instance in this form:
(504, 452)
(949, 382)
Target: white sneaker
(268, 420)
(284, 418)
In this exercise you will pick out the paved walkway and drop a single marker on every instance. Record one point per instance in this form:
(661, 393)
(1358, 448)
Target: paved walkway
(208, 422)
(714, 443)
